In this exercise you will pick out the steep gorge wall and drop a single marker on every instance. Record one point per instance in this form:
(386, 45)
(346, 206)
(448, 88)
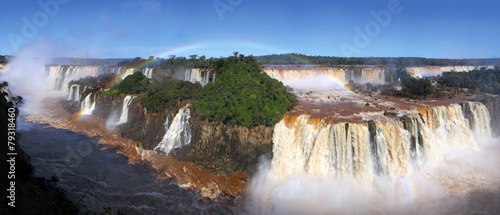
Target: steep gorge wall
(220, 148)
(223, 148)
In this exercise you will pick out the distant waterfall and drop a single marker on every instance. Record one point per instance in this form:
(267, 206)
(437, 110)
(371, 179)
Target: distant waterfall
(88, 104)
(365, 75)
(74, 93)
(197, 75)
(126, 103)
(178, 134)
(437, 70)
(386, 146)
(59, 76)
(148, 72)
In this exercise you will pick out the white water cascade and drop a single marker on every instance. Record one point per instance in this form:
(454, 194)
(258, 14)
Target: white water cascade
(349, 150)
(74, 93)
(88, 104)
(148, 72)
(197, 75)
(60, 75)
(178, 134)
(437, 70)
(363, 75)
(126, 103)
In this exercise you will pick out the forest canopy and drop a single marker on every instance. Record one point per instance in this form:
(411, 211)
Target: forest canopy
(243, 95)
(132, 84)
(483, 80)
(388, 62)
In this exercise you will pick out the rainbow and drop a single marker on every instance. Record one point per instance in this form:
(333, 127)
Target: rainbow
(305, 62)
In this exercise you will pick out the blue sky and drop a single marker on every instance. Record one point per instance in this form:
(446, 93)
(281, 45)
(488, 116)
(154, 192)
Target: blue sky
(115, 29)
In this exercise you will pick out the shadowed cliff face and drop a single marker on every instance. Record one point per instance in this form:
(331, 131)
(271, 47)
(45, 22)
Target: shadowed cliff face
(224, 149)
(142, 126)
(220, 148)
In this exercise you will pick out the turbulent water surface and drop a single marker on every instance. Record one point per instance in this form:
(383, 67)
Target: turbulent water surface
(78, 161)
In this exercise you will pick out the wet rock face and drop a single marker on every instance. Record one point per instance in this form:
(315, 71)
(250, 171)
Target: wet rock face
(224, 149)
(143, 126)
(105, 106)
(220, 148)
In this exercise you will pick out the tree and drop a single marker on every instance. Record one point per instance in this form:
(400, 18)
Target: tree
(193, 57)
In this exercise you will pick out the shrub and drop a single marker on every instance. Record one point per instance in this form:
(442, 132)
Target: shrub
(135, 83)
(168, 94)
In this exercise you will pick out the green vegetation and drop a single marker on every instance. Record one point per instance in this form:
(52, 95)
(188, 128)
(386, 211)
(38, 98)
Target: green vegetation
(167, 94)
(478, 80)
(243, 95)
(182, 62)
(92, 81)
(387, 62)
(132, 84)
(3, 60)
(134, 62)
(415, 86)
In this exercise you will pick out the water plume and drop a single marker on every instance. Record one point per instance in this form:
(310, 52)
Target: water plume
(427, 163)
(317, 83)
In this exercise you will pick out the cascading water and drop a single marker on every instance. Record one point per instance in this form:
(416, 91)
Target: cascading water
(126, 103)
(423, 161)
(61, 75)
(386, 146)
(88, 104)
(178, 134)
(148, 72)
(437, 70)
(364, 75)
(74, 93)
(197, 75)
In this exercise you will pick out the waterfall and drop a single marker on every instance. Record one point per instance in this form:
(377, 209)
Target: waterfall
(61, 75)
(178, 134)
(372, 75)
(197, 75)
(437, 70)
(148, 72)
(386, 146)
(126, 103)
(88, 104)
(74, 93)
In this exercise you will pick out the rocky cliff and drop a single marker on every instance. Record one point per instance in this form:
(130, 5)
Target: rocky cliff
(224, 149)
(220, 148)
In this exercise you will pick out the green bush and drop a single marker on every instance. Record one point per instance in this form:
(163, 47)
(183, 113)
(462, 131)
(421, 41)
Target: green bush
(243, 95)
(132, 84)
(477, 80)
(168, 94)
